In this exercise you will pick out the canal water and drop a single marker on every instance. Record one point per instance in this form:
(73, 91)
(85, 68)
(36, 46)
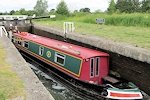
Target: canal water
(56, 89)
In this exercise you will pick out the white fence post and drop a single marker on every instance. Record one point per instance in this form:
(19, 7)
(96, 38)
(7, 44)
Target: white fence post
(68, 27)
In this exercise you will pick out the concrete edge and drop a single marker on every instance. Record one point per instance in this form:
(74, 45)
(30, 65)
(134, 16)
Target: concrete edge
(136, 53)
(34, 89)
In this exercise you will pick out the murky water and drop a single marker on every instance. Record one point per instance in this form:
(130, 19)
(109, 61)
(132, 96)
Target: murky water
(57, 90)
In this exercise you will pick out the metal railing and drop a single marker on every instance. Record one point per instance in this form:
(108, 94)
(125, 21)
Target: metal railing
(3, 31)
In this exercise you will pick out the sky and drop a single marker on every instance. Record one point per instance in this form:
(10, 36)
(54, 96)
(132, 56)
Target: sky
(8, 5)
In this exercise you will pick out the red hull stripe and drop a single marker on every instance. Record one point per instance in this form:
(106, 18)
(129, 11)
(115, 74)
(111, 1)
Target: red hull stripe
(123, 95)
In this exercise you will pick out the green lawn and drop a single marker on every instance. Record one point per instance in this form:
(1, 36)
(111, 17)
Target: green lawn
(10, 84)
(137, 36)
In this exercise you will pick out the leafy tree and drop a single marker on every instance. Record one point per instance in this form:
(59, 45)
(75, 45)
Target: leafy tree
(30, 12)
(133, 6)
(122, 5)
(128, 6)
(119, 5)
(112, 7)
(17, 13)
(52, 11)
(41, 7)
(12, 12)
(85, 10)
(23, 11)
(62, 8)
(146, 6)
(136, 5)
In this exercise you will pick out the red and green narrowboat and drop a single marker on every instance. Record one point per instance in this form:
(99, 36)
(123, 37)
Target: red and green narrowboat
(81, 63)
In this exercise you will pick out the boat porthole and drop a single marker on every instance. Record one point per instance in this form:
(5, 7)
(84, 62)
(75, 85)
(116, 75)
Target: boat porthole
(48, 54)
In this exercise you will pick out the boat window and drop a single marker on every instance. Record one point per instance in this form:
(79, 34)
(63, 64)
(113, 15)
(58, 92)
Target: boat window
(13, 40)
(23, 43)
(92, 67)
(26, 44)
(41, 50)
(19, 42)
(97, 66)
(60, 58)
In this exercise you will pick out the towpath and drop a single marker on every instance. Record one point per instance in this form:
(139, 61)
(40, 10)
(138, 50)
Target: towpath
(33, 88)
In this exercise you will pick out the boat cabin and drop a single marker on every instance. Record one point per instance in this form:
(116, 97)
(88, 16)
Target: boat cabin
(79, 62)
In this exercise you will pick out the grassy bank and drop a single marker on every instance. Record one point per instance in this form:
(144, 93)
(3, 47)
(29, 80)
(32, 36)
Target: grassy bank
(10, 85)
(137, 36)
(134, 19)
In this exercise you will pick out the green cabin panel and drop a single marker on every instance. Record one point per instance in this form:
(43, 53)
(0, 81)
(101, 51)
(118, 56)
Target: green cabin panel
(71, 63)
(34, 48)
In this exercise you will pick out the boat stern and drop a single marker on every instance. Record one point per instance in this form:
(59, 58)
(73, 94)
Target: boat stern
(124, 91)
(124, 95)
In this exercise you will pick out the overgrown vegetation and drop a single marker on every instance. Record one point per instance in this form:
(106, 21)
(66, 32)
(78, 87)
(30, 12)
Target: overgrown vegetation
(121, 28)
(62, 8)
(129, 6)
(41, 8)
(10, 84)
(134, 19)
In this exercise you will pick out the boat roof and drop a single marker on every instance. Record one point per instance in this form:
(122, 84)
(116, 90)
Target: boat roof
(75, 50)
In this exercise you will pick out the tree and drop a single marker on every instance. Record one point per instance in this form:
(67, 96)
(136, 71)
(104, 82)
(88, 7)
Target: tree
(17, 13)
(85, 10)
(133, 6)
(146, 6)
(128, 6)
(12, 12)
(52, 11)
(122, 5)
(23, 11)
(62, 8)
(136, 5)
(41, 7)
(30, 12)
(112, 7)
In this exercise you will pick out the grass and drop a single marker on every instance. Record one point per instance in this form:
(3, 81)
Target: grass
(137, 36)
(134, 19)
(10, 84)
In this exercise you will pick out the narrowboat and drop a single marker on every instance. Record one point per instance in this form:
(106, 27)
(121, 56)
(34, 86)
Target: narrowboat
(81, 63)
